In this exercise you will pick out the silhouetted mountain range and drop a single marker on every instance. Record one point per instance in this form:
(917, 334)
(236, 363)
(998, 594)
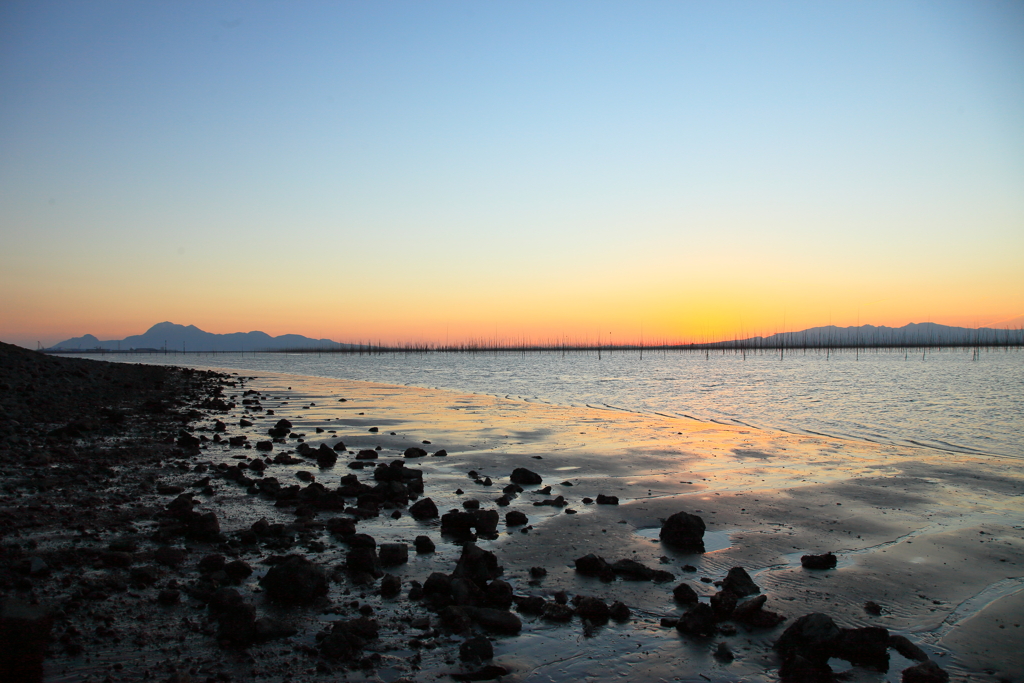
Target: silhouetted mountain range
(914, 334)
(177, 338)
(190, 338)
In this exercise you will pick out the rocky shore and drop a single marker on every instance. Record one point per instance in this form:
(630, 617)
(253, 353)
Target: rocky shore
(189, 525)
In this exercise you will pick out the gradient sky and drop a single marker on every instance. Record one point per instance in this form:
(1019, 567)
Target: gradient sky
(411, 170)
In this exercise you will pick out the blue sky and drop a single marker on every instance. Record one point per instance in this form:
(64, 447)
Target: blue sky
(541, 166)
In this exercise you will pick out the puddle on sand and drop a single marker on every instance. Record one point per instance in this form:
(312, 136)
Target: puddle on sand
(713, 540)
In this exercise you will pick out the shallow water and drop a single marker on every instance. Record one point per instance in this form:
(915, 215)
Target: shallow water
(945, 399)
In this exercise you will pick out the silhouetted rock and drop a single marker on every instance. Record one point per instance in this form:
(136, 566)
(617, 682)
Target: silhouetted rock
(296, 581)
(868, 647)
(738, 582)
(906, 648)
(685, 594)
(24, 635)
(515, 518)
(390, 585)
(424, 544)
(423, 509)
(593, 609)
(476, 649)
(925, 672)
(477, 565)
(392, 554)
(698, 621)
(826, 561)
(521, 475)
(607, 500)
(414, 452)
(683, 531)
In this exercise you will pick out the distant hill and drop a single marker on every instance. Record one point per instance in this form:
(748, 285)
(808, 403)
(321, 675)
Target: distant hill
(191, 338)
(914, 334)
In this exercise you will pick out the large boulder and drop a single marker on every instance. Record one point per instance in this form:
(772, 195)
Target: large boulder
(477, 565)
(295, 581)
(684, 532)
(423, 509)
(813, 637)
(521, 475)
(739, 583)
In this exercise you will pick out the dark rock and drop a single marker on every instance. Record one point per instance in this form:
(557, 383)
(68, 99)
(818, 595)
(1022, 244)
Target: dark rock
(113, 558)
(471, 504)
(414, 452)
(619, 612)
(144, 576)
(868, 647)
(515, 518)
(723, 603)
(607, 500)
(477, 649)
(423, 509)
(698, 621)
(593, 609)
(498, 594)
(738, 582)
(363, 560)
(325, 456)
(487, 673)
(24, 635)
(423, 544)
(477, 565)
(438, 584)
(296, 581)
(168, 596)
(455, 618)
(211, 563)
(723, 653)
(367, 454)
(799, 669)
(557, 613)
(826, 561)
(392, 554)
(267, 628)
(521, 475)
(441, 453)
(457, 523)
(812, 636)
(592, 565)
(925, 672)
(169, 556)
(465, 592)
(390, 586)
(485, 522)
(906, 648)
(538, 572)
(237, 570)
(684, 532)
(685, 594)
(533, 604)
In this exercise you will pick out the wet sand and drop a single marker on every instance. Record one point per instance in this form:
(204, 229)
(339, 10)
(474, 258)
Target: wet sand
(936, 539)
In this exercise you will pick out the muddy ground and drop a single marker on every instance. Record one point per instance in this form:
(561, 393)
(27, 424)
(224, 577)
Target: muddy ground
(151, 547)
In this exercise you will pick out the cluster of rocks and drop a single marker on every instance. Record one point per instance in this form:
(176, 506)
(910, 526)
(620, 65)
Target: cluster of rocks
(810, 641)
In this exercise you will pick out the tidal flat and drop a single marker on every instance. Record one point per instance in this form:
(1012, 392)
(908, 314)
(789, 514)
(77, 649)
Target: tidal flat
(929, 545)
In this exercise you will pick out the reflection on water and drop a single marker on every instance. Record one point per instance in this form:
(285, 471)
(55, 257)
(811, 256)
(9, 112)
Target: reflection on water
(944, 399)
(713, 540)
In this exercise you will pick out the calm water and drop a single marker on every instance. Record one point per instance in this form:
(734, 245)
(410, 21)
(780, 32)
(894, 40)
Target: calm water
(945, 399)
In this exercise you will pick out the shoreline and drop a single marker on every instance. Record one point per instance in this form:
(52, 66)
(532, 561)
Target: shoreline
(806, 421)
(772, 495)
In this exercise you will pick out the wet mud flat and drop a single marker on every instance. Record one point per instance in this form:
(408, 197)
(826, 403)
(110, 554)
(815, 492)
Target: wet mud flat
(322, 573)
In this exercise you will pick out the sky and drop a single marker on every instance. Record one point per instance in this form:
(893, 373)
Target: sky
(410, 171)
